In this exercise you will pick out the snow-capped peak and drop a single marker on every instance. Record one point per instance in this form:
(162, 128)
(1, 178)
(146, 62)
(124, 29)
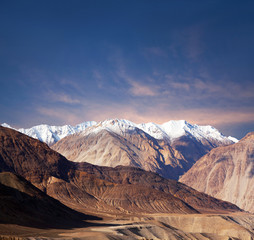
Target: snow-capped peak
(52, 134)
(119, 126)
(169, 131)
(174, 129)
(6, 125)
(153, 129)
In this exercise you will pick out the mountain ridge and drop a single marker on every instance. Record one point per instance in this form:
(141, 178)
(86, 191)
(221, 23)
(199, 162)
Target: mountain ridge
(121, 142)
(170, 130)
(226, 172)
(97, 189)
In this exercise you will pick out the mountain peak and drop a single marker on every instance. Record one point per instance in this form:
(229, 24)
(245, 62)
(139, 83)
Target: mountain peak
(119, 126)
(249, 136)
(52, 134)
(116, 121)
(169, 131)
(6, 125)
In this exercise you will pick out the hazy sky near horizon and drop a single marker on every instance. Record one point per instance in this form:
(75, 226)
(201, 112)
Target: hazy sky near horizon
(65, 62)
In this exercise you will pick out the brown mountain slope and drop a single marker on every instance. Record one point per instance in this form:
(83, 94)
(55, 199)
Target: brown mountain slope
(118, 142)
(22, 203)
(92, 188)
(227, 173)
(136, 176)
(136, 149)
(30, 158)
(57, 176)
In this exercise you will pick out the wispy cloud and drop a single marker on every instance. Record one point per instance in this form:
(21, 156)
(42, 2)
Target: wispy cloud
(138, 88)
(208, 88)
(141, 90)
(62, 98)
(61, 115)
(73, 84)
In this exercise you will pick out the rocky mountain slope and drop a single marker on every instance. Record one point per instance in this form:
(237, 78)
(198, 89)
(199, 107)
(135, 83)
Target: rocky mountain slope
(137, 149)
(227, 173)
(97, 189)
(23, 204)
(170, 149)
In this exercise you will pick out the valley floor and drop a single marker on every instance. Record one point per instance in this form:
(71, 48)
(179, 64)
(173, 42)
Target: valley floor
(154, 226)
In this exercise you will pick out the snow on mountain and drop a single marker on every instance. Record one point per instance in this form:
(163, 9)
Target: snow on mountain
(174, 129)
(169, 131)
(117, 126)
(6, 125)
(52, 134)
(235, 140)
(169, 149)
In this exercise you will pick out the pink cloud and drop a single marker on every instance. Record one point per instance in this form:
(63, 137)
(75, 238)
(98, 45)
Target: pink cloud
(140, 90)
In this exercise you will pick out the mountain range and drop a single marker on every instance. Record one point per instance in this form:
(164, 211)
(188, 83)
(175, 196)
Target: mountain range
(169, 149)
(170, 130)
(52, 134)
(41, 189)
(97, 189)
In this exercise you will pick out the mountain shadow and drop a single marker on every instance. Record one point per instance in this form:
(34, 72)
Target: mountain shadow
(23, 204)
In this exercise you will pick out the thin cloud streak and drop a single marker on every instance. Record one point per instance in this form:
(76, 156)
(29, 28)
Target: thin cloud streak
(61, 115)
(62, 98)
(207, 88)
(137, 88)
(142, 90)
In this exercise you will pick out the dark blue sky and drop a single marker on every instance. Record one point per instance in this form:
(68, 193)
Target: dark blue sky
(65, 62)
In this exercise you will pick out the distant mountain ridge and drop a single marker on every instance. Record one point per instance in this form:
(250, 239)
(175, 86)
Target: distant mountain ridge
(169, 149)
(52, 134)
(169, 131)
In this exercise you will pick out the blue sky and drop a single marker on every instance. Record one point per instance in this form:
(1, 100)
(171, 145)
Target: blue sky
(65, 62)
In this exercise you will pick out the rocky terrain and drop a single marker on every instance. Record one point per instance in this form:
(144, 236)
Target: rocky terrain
(156, 226)
(226, 173)
(101, 189)
(169, 149)
(137, 149)
(133, 203)
(23, 204)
